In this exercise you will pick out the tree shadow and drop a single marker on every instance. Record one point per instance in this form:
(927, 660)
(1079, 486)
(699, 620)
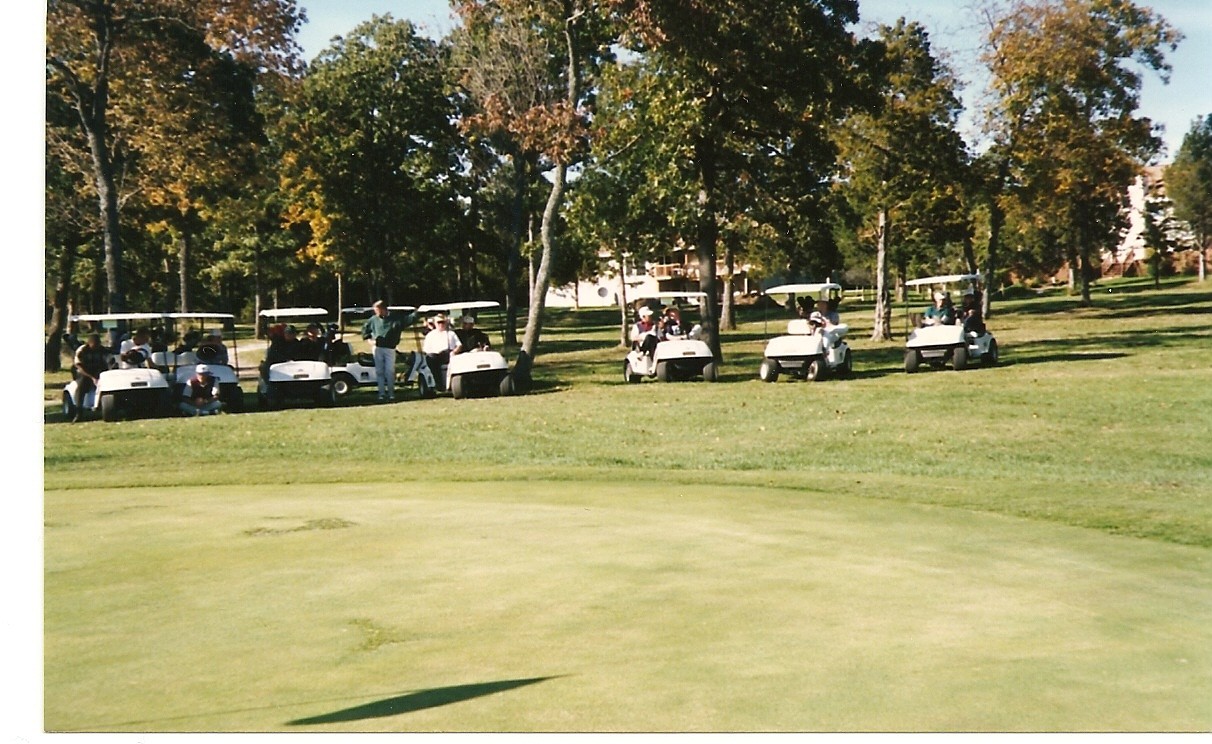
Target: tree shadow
(413, 702)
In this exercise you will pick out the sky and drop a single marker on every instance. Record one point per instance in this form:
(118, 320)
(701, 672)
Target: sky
(952, 26)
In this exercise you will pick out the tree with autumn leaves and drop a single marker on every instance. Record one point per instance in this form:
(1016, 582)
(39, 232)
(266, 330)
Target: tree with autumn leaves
(738, 129)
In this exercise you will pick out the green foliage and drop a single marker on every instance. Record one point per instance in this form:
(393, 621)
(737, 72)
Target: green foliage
(909, 158)
(1067, 94)
(374, 158)
(1189, 180)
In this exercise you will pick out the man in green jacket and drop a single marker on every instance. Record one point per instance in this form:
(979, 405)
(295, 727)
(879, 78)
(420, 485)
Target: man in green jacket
(383, 330)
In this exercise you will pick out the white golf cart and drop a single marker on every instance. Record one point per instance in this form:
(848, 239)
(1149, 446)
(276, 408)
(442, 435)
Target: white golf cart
(808, 351)
(473, 373)
(350, 371)
(937, 345)
(226, 373)
(293, 379)
(678, 356)
(132, 389)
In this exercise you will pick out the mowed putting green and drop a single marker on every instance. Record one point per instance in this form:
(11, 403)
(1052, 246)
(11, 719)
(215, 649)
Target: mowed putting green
(557, 606)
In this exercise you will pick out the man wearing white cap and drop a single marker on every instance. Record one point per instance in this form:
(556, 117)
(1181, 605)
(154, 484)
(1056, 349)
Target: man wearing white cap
(200, 396)
(942, 312)
(438, 345)
(383, 329)
(644, 333)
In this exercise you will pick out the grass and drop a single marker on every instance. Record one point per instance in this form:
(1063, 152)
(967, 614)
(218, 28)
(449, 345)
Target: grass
(1021, 548)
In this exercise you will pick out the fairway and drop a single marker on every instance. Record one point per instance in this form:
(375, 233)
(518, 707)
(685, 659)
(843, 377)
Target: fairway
(1018, 548)
(607, 607)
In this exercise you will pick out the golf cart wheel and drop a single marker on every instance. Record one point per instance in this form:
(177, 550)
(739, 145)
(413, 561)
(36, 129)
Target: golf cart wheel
(959, 358)
(326, 396)
(342, 383)
(815, 371)
(769, 371)
(507, 386)
(69, 405)
(109, 408)
(663, 372)
(164, 404)
(710, 372)
(913, 360)
(235, 400)
(846, 368)
(989, 358)
(456, 387)
(629, 375)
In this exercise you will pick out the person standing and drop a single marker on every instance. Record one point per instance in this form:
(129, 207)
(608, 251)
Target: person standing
(383, 330)
(90, 361)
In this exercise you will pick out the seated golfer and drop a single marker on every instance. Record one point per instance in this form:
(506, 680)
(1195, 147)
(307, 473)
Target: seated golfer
(644, 333)
(200, 396)
(472, 338)
(438, 346)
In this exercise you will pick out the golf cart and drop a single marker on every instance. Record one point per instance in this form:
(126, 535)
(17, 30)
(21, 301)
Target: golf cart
(939, 344)
(678, 356)
(809, 350)
(474, 373)
(292, 379)
(137, 387)
(186, 362)
(350, 371)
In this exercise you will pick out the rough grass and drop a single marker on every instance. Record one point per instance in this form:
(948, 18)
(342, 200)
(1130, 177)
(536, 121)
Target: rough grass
(1023, 548)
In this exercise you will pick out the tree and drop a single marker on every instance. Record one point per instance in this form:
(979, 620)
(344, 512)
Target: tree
(506, 67)
(373, 158)
(1189, 186)
(906, 164)
(1064, 83)
(102, 55)
(768, 79)
(635, 199)
(540, 121)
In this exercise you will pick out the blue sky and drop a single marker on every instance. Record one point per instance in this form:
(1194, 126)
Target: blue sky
(952, 25)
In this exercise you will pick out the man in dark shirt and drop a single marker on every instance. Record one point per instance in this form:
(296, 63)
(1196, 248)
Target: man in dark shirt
(472, 338)
(91, 360)
(383, 329)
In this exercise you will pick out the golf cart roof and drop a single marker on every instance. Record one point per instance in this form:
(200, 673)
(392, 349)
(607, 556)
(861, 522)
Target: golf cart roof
(293, 312)
(450, 307)
(201, 316)
(103, 317)
(699, 296)
(945, 279)
(799, 289)
(359, 309)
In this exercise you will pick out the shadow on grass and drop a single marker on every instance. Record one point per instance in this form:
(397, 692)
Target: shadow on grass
(422, 700)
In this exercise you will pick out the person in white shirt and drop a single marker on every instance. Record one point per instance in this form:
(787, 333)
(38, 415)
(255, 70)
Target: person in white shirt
(200, 395)
(438, 346)
(140, 341)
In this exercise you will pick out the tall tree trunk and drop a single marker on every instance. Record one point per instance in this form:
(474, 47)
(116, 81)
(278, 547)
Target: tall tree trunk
(882, 320)
(92, 106)
(996, 218)
(624, 315)
(53, 348)
(183, 269)
(513, 259)
(705, 152)
(970, 254)
(523, 368)
(727, 317)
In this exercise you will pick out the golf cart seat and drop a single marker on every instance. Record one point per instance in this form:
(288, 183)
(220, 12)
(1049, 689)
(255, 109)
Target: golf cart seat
(799, 327)
(366, 359)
